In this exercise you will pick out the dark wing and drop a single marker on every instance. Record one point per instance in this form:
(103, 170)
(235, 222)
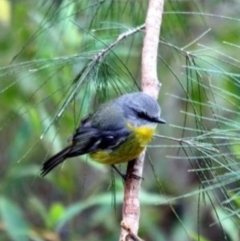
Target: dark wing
(89, 138)
(105, 129)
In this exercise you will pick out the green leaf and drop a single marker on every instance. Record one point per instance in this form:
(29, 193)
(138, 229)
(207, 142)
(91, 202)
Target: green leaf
(14, 222)
(105, 199)
(56, 212)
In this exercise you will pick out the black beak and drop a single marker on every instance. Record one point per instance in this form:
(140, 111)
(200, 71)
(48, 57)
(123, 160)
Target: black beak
(160, 120)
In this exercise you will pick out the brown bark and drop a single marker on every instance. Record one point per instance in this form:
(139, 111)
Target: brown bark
(151, 86)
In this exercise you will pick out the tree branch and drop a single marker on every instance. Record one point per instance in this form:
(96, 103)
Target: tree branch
(151, 86)
(150, 83)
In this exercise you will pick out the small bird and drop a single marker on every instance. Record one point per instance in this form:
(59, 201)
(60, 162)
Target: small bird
(116, 133)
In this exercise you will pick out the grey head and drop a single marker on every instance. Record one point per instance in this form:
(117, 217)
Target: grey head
(140, 108)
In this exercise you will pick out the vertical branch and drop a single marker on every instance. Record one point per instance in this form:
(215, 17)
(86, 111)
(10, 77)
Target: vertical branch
(150, 83)
(151, 86)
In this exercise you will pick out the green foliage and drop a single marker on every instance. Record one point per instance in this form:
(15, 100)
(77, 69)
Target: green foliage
(59, 61)
(12, 217)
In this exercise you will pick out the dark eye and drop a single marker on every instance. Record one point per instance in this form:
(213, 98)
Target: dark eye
(143, 115)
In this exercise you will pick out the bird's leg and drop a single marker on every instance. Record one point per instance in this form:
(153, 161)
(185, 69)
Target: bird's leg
(135, 177)
(124, 176)
(131, 171)
(121, 175)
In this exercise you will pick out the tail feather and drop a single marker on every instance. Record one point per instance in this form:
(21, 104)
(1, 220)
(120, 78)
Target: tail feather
(55, 160)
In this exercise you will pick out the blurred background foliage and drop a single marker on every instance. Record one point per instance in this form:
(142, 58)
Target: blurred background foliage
(56, 66)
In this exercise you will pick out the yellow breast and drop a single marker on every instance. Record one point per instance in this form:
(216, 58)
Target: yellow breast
(129, 149)
(143, 134)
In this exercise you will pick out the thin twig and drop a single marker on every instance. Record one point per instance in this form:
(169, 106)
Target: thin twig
(130, 236)
(121, 37)
(83, 75)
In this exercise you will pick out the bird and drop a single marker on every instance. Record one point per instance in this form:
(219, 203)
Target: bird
(117, 132)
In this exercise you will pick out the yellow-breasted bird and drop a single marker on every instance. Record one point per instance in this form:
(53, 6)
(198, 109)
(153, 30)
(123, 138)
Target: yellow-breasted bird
(117, 132)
